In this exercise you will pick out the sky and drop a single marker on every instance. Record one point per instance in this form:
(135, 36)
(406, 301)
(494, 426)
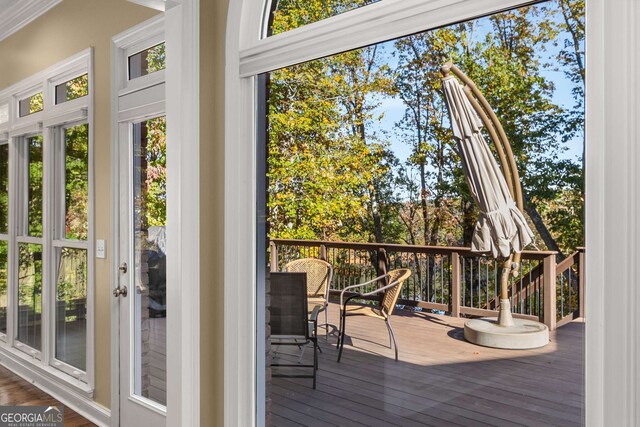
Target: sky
(392, 108)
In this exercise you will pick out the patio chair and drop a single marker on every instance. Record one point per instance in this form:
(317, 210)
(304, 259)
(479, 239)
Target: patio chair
(390, 292)
(319, 276)
(290, 321)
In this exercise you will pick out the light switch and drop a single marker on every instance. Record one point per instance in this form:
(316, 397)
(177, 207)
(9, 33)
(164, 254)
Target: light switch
(101, 248)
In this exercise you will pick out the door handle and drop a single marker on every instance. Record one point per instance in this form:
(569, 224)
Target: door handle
(123, 268)
(120, 291)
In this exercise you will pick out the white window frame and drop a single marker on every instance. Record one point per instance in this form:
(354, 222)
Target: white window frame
(612, 180)
(21, 236)
(42, 366)
(56, 220)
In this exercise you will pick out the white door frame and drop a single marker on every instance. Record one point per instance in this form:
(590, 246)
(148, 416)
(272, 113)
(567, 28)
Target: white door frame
(182, 23)
(138, 406)
(612, 203)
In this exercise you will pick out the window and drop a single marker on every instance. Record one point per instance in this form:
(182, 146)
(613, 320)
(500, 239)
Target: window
(30, 297)
(72, 89)
(33, 187)
(147, 61)
(50, 315)
(150, 224)
(30, 243)
(253, 51)
(30, 105)
(70, 245)
(76, 183)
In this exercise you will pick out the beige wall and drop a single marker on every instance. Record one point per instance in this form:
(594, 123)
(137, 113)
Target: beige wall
(75, 25)
(69, 28)
(213, 17)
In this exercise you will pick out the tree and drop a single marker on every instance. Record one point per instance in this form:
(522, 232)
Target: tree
(328, 177)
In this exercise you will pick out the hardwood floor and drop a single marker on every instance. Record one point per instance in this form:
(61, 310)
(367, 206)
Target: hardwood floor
(16, 391)
(439, 380)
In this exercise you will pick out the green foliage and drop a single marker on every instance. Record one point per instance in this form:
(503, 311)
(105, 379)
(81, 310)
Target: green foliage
(36, 103)
(30, 276)
(328, 177)
(4, 188)
(291, 14)
(155, 183)
(71, 282)
(77, 87)
(156, 58)
(34, 202)
(77, 182)
(332, 176)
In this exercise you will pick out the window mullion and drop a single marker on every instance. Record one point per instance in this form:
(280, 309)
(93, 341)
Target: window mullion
(12, 287)
(50, 136)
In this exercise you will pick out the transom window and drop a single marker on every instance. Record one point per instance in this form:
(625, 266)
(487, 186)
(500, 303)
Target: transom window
(147, 61)
(31, 104)
(72, 89)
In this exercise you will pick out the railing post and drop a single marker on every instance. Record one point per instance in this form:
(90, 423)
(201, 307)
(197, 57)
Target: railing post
(549, 282)
(581, 282)
(274, 256)
(456, 276)
(382, 261)
(323, 252)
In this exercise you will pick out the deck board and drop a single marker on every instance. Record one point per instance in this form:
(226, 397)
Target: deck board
(440, 379)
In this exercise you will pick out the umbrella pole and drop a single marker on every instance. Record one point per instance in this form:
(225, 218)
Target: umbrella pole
(504, 313)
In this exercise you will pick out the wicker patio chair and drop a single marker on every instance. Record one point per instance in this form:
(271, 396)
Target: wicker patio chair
(289, 320)
(382, 310)
(319, 276)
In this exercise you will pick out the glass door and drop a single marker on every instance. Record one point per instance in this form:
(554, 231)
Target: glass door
(142, 272)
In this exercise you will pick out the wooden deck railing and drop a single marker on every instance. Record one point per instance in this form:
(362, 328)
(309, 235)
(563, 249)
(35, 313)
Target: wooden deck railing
(451, 279)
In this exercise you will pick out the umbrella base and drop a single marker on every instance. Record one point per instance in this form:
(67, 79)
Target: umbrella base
(523, 334)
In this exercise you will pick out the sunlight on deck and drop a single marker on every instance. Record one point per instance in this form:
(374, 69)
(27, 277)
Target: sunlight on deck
(440, 379)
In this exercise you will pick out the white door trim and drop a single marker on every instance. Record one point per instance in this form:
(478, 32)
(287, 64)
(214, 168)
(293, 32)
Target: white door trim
(182, 33)
(612, 207)
(181, 21)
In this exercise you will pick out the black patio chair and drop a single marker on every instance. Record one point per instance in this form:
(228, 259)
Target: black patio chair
(290, 321)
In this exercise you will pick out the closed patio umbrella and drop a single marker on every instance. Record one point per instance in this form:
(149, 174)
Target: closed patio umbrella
(501, 229)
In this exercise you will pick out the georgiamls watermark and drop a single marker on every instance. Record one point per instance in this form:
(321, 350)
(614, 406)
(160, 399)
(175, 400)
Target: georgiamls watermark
(32, 416)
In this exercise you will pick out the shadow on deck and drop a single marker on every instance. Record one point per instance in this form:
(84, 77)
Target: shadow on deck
(440, 379)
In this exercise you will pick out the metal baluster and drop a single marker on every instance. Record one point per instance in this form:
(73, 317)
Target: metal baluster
(495, 284)
(486, 287)
(441, 280)
(570, 286)
(472, 280)
(464, 280)
(562, 295)
(428, 282)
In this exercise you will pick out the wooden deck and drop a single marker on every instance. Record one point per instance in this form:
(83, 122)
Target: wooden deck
(439, 380)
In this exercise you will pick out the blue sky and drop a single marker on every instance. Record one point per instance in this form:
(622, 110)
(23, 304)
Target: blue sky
(393, 108)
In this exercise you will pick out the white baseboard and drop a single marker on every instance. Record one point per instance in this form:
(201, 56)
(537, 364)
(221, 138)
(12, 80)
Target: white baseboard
(83, 405)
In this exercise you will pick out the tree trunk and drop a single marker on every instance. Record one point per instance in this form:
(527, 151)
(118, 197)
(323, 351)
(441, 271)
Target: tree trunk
(542, 229)
(468, 221)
